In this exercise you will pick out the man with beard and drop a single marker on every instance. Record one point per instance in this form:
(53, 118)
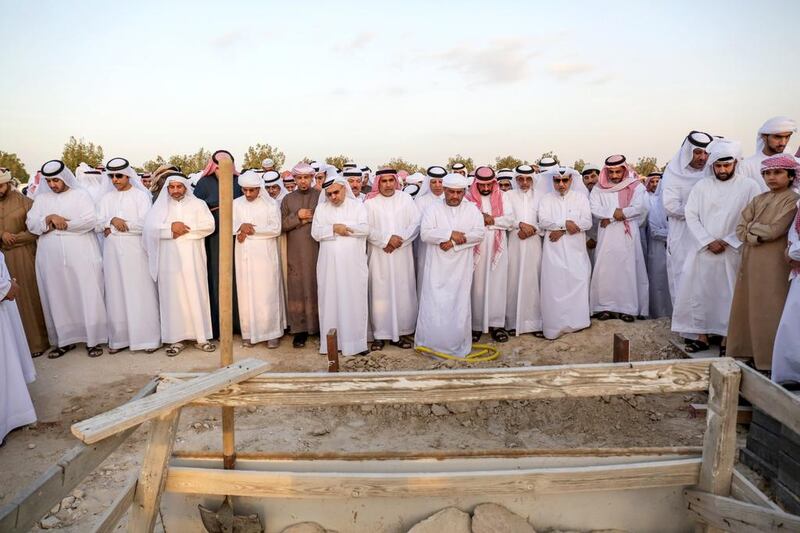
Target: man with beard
(297, 213)
(69, 268)
(772, 139)
(273, 184)
(394, 222)
(19, 246)
(354, 178)
(450, 230)
(490, 280)
(288, 181)
(523, 311)
(341, 228)
(703, 303)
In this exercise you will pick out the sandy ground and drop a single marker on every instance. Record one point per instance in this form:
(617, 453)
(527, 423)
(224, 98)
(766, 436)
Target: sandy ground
(75, 387)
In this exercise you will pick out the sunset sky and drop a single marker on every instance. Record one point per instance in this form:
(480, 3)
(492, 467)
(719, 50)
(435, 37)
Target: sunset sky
(418, 80)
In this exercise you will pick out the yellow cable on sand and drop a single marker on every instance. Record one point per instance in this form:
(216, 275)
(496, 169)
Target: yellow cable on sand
(486, 352)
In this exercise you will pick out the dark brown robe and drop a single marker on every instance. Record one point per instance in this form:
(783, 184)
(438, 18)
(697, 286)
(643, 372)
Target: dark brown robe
(301, 259)
(21, 261)
(763, 280)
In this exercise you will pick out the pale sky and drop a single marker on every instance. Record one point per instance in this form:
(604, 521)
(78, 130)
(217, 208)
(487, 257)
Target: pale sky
(418, 80)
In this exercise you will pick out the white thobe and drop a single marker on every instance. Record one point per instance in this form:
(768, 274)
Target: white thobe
(259, 283)
(490, 281)
(16, 365)
(660, 300)
(445, 316)
(750, 167)
(523, 311)
(703, 304)
(680, 240)
(619, 279)
(423, 203)
(786, 352)
(565, 264)
(392, 280)
(342, 274)
(131, 294)
(184, 304)
(69, 269)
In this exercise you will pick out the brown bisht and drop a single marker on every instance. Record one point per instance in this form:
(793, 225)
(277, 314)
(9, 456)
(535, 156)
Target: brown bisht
(763, 280)
(21, 262)
(301, 259)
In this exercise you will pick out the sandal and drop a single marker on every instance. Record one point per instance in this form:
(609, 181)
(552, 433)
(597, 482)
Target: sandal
(55, 353)
(476, 336)
(151, 350)
(206, 347)
(696, 346)
(112, 351)
(377, 345)
(403, 343)
(499, 335)
(538, 334)
(175, 349)
(625, 318)
(604, 315)
(299, 340)
(34, 355)
(94, 351)
(723, 351)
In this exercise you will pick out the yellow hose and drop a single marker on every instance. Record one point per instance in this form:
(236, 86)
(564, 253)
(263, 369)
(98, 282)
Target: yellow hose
(485, 352)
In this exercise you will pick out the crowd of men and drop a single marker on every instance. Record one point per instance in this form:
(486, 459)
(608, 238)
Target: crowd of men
(109, 257)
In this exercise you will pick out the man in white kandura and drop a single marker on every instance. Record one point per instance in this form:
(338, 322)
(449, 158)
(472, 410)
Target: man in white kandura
(259, 284)
(69, 267)
(16, 407)
(431, 191)
(565, 216)
(341, 228)
(393, 225)
(523, 311)
(683, 172)
(619, 287)
(173, 234)
(450, 230)
(490, 280)
(772, 139)
(703, 304)
(131, 294)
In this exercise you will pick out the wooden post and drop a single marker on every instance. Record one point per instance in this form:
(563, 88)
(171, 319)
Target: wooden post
(622, 349)
(333, 351)
(225, 179)
(719, 442)
(153, 476)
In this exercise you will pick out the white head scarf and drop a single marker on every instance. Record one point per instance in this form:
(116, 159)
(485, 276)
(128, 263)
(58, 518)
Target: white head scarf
(434, 172)
(323, 198)
(272, 177)
(89, 178)
(525, 170)
(151, 232)
(545, 183)
(773, 126)
(56, 169)
(455, 181)
(723, 149)
(679, 164)
(120, 165)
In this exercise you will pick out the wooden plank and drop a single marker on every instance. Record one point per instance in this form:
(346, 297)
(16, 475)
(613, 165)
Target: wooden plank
(333, 351)
(743, 489)
(144, 508)
(134, 413)
(744, 414)
(261, 484)
(771, 398)
(726, 514)
(108, 522)
(622, 349)
(349, 388)
(34, 501)
(719, 441)
(444, 454)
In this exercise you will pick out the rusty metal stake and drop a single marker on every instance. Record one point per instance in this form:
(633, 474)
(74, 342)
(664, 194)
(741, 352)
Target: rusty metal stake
(333, 351)
(622, 349)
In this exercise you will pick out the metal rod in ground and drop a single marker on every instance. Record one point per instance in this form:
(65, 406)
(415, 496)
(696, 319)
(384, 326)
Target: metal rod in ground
(622, 349)
(333, 351)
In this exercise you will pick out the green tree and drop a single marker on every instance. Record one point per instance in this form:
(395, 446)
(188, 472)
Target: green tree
(151, 165)
(78, 151)
(191, 163)
(399, 163)
(13, 163)
(645, 165)
(579, 164)
(458, 158)
(338, 160)
(552, 154)
(508, 161)
(256, 154)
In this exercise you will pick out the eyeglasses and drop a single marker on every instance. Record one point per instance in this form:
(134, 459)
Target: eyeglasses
(561, 180)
